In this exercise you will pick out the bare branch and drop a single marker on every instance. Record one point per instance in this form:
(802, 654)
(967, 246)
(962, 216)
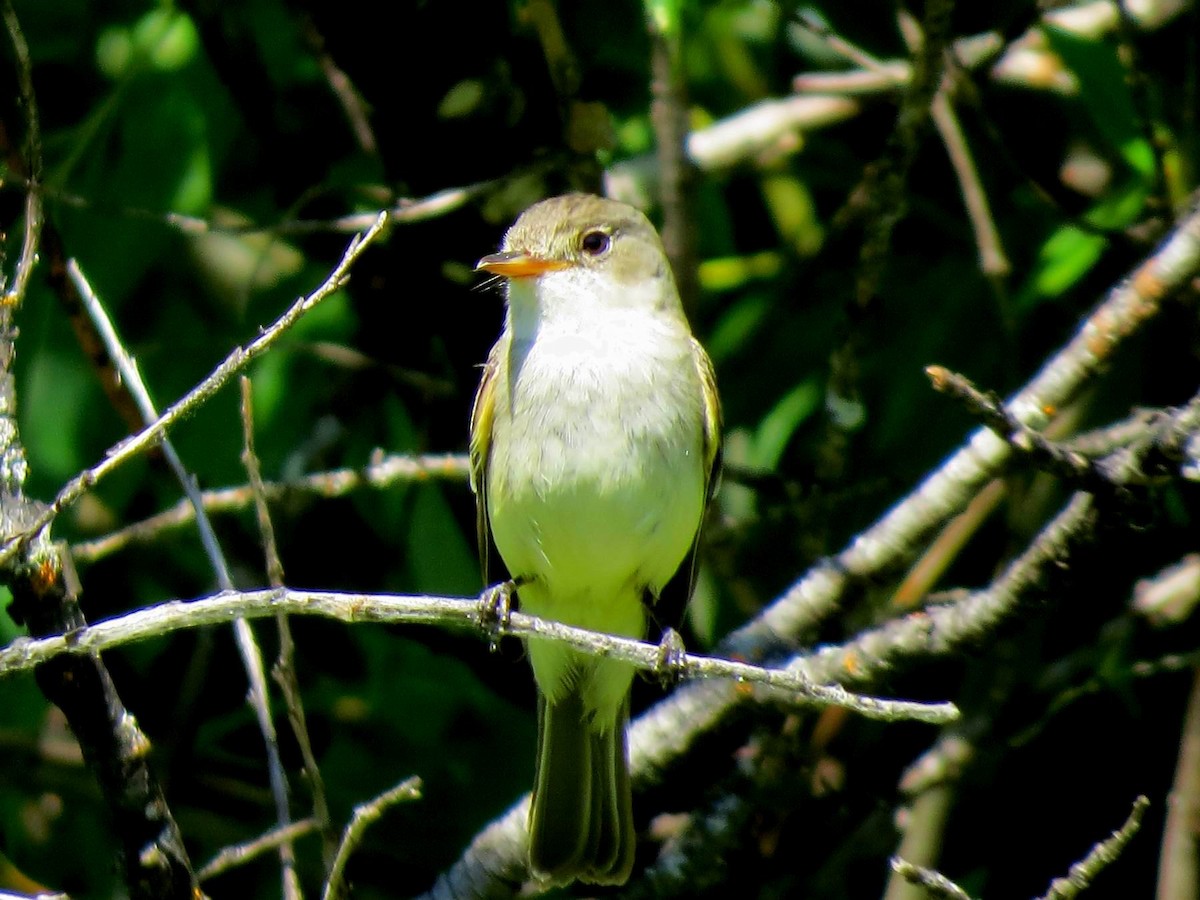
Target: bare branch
(364, 815)
(382, 472)
(230, 366)
(155, 621)
(284, 670)
(1178, 863)
(33, 163)
(935, 883)
(354, 108)
(993, 262)
(240, 854)
(247, 645)
(1084, 872)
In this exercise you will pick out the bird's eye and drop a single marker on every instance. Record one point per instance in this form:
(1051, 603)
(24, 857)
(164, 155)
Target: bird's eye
(595, 243)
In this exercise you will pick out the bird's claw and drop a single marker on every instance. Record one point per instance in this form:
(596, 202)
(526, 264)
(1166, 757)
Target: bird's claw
(671, 665)
(495, 611)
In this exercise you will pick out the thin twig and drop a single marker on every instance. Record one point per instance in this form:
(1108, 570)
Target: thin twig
(993, 261)
(988, 407)
(669, 114)
(1178, 865)
(848, 50)
(1169, 597)
(235, 362)
(247, 644)
(884, 182)
(257, 490)
(127, 370)
(405, 211)
(240, 854)
(33, 162)
(1163, 448)
(935, 883)
(1025, 61)
(1084, 872)
(45, 596)
(365, 814)
(381, 472)
(944, 549)
(354, 108)
(154, 621)
(930, 788)
(284, 670)
(91, 344)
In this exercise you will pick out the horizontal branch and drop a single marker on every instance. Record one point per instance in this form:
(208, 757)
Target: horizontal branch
(379, 473)
(155, 621)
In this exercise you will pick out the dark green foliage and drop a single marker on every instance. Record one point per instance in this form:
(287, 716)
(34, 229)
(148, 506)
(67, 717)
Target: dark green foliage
(222, 112)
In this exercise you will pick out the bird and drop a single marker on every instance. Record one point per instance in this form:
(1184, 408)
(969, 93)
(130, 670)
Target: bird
(595, 450)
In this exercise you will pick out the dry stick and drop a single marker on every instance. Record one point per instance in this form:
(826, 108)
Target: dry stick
(89, 340)
(1162, 448)
(285, 668)
(885, 181)
(880, 200)
(244, 635)
(240, 854)
(944, 549)
(354, 108)
(1178, 866)
(155, 862)
(992, 259)
(258, 491)
(364, 815)
(235, 362)
(33, 160)
(406, 210)
(669, 114)
(940, 630)
(1169, 597)
(1102, 854)
(795, 682)
(381, 472)
(935, 883)
(923, 838)
(666, 731)
(928, 786)
(848, 50)
(1065, 462)
(1091, 20)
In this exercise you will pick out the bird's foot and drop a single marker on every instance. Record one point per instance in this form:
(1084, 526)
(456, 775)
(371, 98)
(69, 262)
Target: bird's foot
(671, 665)
(495, 611)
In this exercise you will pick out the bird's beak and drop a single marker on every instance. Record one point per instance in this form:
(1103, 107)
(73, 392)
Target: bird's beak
(515, 264)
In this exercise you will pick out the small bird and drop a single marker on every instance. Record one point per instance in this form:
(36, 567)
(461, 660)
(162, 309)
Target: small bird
(595, 446)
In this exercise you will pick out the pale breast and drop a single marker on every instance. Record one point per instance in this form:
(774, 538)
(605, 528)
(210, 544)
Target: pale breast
(596, 478)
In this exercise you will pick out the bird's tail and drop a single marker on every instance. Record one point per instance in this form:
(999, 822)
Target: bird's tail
(581, 819)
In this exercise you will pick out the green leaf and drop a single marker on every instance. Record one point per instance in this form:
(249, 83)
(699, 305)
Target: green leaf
(1066, 257)
(777, 427)
(740, 321)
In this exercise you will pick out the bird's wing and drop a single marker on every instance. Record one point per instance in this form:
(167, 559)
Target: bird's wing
(674, 597)
(482, 412)
(712, 421)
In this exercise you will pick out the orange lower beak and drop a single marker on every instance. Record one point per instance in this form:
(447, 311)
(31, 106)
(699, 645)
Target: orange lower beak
(515, 264)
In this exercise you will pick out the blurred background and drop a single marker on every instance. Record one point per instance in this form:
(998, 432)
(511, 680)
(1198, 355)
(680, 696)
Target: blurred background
(200, 159)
